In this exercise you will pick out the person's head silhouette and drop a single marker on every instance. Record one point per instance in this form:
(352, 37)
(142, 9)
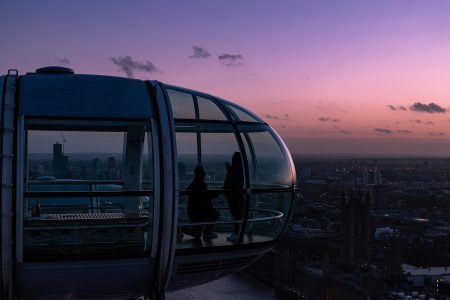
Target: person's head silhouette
(236, 160)
(199, 173)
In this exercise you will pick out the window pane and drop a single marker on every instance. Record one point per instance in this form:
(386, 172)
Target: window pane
(208, 110)
(65, 225)
(267, 215)
(182, 105)
(187, 157)
(85, 235)
(74, 155)
(273, 169)
(69, 158)
(208, 215)
(242, 115)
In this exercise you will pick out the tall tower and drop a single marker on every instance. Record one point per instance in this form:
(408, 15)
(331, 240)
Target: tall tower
(60, 162)
(394, 270)
(355, 227)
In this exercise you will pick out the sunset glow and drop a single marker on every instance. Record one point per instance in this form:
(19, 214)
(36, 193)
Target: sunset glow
(329, 76)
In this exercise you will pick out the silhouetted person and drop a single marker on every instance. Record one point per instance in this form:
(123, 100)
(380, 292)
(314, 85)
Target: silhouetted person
(200, 208)
(233, 185)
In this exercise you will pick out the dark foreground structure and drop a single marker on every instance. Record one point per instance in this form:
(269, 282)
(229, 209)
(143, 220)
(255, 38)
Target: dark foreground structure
(95, 173)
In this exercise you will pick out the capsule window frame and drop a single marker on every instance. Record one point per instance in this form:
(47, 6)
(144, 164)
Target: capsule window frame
(238, 127)
(87, 125)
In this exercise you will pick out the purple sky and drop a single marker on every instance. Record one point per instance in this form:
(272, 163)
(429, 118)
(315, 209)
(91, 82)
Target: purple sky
(330, 76)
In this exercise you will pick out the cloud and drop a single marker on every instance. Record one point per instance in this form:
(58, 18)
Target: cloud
(63, 61)
(430, 108)
(231, 60)
(280, 102)
(436, 133)
(283, 117)
(416, 121)
(200, 52)
(392, 107)
(345, 132)
(323, 119)
(383, 131)
(403, 131)
(429, 123)
(127, 65)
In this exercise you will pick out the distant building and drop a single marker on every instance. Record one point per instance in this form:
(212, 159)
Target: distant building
(355, 229)
(303, 174)
(426, 277)
(112, 172)
(96, 168)
(112, 164)
(371, 176)
(380, 198)
(394, 271)
(60, 162)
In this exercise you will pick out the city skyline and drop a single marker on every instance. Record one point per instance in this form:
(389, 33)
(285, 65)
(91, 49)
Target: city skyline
(330, 77)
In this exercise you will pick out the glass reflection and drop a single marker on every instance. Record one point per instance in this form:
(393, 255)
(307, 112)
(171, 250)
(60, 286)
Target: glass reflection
(267, 215)
(91, 200)
(272, 167)
(208, 110)
(182, 104)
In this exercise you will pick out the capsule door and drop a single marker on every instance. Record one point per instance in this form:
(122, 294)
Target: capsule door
(85, 206)
(90, 202)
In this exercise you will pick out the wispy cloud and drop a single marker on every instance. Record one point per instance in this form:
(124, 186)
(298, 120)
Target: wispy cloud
(128, 65)
(416, 121)
(283, 117)
(345, 132)
(436, 133)
(404, 131)
(383, 131)
(231, 60)
(63, 61)
(429, 123)
(327, 119)
(393, 107)
(280, 102)
(430, 108)
(200, 52)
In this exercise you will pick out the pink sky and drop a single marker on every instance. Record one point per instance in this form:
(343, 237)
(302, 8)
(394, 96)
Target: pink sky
(323, 73)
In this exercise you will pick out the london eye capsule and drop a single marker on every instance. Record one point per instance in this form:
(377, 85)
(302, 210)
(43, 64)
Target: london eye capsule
(120, 188)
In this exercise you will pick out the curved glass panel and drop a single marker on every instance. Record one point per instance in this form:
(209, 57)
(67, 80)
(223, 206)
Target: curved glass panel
(267, 215)
(217, 152)
(211, 203)
(208, 110)
(241, 115)
(182, 104)
(271, 168)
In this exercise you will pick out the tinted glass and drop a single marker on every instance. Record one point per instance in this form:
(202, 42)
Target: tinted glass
(267, 215)
(217, 150)
(208, 215)
(208, 110)
(182, 104)
(64, 224)
(242, 115)
(272, 168)
(187, 157)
